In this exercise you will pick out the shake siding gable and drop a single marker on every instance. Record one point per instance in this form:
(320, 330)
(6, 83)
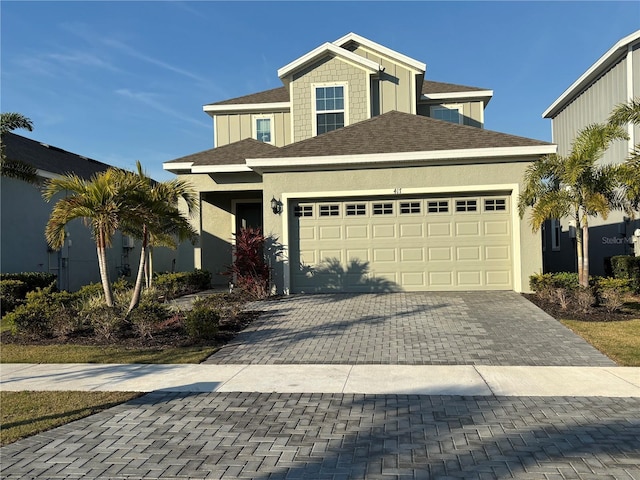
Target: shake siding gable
(329, 70)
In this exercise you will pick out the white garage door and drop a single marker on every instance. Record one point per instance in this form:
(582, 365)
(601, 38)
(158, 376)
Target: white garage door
(411, 244)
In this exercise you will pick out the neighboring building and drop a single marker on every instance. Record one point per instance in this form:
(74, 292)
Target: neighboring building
(24, 215)
(613, 79)
(368, 178)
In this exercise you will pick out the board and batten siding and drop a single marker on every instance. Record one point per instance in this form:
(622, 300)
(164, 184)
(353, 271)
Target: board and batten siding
(472, 112)
(231, 128)
(593, 105)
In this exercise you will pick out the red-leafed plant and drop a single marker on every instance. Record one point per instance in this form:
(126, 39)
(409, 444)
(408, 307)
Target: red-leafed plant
(250, 272)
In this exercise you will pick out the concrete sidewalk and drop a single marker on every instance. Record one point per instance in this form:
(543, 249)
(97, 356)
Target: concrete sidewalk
(345, 379)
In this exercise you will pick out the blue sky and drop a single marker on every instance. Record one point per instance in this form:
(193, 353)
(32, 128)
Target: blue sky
(126, 81)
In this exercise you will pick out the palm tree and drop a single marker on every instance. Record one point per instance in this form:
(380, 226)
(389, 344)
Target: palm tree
(630, 171)
(10, 167)
(575, 186)
(162, 221)
(103, 202)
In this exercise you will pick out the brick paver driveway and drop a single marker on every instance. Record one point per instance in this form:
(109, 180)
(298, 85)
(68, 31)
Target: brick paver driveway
(342, 436)
(469, 328)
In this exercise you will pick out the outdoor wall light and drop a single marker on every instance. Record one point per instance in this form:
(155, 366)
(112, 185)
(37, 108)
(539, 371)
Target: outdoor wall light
(276, 206)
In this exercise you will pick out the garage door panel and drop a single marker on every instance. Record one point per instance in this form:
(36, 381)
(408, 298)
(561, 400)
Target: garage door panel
(430, 245)
(440, 254)
(356, 232)
(384, 255)
(468, 229)
(497, 252)
(330, 232)
(470, 253)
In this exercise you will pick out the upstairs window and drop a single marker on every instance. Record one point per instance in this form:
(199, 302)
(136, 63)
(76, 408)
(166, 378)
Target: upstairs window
(329, 108)
(263, 128)
(450, 113)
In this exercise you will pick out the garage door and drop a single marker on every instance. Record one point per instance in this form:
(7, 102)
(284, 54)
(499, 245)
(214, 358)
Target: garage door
(411, 244)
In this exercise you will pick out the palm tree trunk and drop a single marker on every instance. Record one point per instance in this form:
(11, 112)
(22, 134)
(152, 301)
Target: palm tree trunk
(579, 251)
(137, 290)
(150, 267)
(104, 270)
(585, 255)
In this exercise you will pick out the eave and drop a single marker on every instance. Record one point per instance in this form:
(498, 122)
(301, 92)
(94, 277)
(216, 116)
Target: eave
(247, 108)
(484, 95)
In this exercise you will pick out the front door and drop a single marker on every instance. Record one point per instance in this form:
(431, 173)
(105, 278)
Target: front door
(248, 215)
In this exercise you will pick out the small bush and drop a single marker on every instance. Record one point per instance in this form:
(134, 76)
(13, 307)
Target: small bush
(107, 322)
(627, 267)
(12, 294)
(199, 280)
(40, 313)
(611, 292)
(172, 285)
(147, 317)
(33, 280)
(202, 323)
(584, 298)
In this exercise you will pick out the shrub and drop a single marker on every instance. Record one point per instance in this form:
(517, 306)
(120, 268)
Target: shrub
(33, 280)
(107, 322)
(611, 292)
(250, 271)
(173, 285)
(42, 312)
(585, 298)
(627, 267)
(12, 294)
(147, 317)
(202, 323)
(199, 280)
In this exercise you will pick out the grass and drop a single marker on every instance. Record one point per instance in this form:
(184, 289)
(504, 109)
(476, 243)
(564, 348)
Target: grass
(620, 341)
(15, 353)
(28, 413)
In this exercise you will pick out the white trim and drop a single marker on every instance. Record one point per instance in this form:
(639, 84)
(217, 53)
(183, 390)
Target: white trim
(487, 94)
(454, 106)
(260, 164)
(220, 168)
(513, 188)
(248, 107)
(630, 96)
(324, 49)
(254, 126)
(365, 42)
(47, 174)
(590, 75)
(314, 112)
(177, 166)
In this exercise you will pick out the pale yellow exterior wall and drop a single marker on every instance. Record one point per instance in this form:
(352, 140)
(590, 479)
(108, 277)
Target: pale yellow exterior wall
(503, 177)
(327, 71)
(230, 128)
(396, 84)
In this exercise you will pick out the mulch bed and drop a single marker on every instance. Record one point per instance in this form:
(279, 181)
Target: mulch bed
(594, 314)
(171, 334)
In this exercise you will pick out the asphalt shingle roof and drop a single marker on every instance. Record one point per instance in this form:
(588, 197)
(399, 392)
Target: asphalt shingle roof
(232, 154)
(49, 158)
(281, 94)
(400, 132)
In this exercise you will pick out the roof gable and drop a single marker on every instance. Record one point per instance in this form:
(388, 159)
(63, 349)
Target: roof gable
(381, 49)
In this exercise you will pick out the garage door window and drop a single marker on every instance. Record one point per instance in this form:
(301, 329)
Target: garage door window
(303, 210)
(329, 210)
(466, 205)
(495, 205)
(383, 208)
(409, 207)
(356, 209)
(438, 206)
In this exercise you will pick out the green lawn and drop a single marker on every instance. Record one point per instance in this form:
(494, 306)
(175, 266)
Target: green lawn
(619, 341)
(15, 353)
(28, 413)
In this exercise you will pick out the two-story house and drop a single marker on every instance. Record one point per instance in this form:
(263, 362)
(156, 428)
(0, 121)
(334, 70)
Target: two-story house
(612, 80)
(368, 177)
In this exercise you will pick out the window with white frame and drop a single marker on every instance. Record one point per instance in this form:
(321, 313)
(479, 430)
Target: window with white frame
(448, 113)
(263, 128)
(330, 108)
(556, 229)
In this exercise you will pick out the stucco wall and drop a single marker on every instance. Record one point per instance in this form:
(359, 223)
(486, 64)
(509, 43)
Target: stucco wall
(454, 178)
(326, 71)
